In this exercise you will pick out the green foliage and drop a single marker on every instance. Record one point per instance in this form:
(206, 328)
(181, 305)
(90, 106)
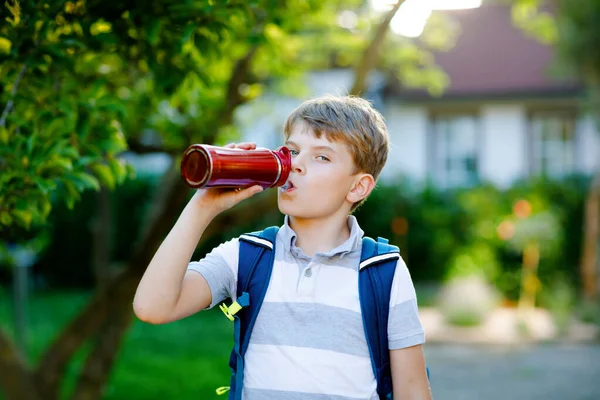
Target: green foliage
(571, 26)
(77, 72)
(442, 234)
(85, 81)
(559, 298)
(459, 233)
(535, 20)
(579, 32)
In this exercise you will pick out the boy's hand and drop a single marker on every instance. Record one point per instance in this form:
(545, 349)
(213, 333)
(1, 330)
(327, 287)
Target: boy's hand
(220, 200)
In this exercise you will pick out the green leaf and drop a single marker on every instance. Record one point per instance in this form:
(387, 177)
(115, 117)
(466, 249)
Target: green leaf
(4, 135)
(74, 43)
(119, 170)
(86, 160)
(131, 173)
(154, 32)
(5, 45)
(83, 181)
(104, 175)
(57, 164)
(45, 207)
(23, 217)
(15, 10)
(71, 194)
(5, 218)
(116, 142)
(111, 105)
(69, 151)
(54, 128)
(31, 143)
(45, 185)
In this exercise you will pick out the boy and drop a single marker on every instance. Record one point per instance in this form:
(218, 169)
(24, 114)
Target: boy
(308, 341)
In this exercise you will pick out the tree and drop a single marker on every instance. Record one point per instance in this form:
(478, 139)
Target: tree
(573, 27)
(106, 74)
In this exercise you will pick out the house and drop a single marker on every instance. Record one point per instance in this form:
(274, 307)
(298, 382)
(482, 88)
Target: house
(504, 116)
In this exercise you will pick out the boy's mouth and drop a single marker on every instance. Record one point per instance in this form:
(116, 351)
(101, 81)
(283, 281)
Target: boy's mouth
(288, 186)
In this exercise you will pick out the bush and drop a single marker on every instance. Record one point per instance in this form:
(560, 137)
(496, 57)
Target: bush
(441, 234)
(455, 233)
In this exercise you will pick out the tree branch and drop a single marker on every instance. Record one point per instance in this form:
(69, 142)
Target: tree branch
(13, 92)
(590, 252)
(15, 378)
(53, 364)
(239, 76)
(371, 53)
(119, 291)
(99, 362)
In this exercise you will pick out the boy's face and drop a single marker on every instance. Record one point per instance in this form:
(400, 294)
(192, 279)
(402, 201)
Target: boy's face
(321, 178)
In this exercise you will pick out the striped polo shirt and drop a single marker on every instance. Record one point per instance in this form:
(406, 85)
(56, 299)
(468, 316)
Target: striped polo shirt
(308, 342)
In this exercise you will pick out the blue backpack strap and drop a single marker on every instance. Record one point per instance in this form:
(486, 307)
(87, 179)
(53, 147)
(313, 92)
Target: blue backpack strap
(257, 253)
(376, 274)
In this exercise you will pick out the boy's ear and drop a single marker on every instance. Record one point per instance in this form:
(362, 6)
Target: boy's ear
(363, 186)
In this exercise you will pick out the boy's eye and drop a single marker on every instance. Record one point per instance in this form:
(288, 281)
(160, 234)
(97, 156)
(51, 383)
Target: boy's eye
(323, 158)
(294, 152)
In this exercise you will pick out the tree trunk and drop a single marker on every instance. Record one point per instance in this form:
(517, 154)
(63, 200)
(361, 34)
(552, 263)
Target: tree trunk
(111, 314)
(15, 378)
(97, 367)
(371, 54)
(102, 234)
(591, 242)
(171, 193)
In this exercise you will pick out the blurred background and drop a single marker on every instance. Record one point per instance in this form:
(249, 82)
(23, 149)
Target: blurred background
(491, 191)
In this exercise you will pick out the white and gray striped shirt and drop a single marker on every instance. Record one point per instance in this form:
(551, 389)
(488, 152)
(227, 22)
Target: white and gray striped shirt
(308, 342)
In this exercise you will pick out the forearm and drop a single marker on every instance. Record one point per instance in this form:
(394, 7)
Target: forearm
(161, 285)
(409, 376)
(418, 390)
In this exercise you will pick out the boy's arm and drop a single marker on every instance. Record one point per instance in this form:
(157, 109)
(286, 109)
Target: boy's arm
(409, 377)
(405, 337)
(167, 292)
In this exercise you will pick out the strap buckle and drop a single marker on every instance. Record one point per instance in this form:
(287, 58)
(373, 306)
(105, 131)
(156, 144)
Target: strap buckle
(242, 301)
(222, 390)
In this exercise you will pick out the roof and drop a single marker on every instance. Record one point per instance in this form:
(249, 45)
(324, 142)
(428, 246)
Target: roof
(494, 59)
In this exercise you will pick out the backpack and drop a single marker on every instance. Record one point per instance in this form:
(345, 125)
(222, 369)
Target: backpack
(376, 273)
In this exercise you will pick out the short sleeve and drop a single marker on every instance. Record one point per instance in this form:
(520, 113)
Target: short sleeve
(404, 325)
(219, 268)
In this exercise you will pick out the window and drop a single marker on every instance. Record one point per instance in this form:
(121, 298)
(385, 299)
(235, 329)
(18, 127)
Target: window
(455, 149)
(553, 143)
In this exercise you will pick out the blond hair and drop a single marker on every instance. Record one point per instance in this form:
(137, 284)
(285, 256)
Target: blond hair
(351, 120)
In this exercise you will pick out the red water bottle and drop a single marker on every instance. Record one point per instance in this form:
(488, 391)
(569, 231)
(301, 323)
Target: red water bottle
(204, 166)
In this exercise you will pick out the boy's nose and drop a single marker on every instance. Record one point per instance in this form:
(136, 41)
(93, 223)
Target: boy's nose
(297, 166)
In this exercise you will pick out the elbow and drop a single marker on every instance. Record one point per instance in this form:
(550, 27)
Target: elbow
(145, 314)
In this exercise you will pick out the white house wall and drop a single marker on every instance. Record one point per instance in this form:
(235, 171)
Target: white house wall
(588, 145)
(503, 146)
(408, 133)
(504, 149)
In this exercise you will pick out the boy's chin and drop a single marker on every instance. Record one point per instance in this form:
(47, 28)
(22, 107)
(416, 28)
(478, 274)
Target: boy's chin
(289, 210)
(285, 209)
(293, 212)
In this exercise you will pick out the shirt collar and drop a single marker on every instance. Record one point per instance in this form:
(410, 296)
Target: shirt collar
(353, 243)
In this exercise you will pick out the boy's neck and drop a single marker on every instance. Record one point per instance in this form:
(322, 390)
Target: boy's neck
(316, 235)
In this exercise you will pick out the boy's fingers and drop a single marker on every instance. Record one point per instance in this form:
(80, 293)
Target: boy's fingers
(246, 145)
(244, 194)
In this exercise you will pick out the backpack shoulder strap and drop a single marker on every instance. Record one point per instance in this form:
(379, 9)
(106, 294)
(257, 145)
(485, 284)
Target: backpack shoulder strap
(256, 256)
(376, 273)
(257, 253)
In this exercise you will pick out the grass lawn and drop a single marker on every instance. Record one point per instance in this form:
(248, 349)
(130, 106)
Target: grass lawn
(182, 360)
